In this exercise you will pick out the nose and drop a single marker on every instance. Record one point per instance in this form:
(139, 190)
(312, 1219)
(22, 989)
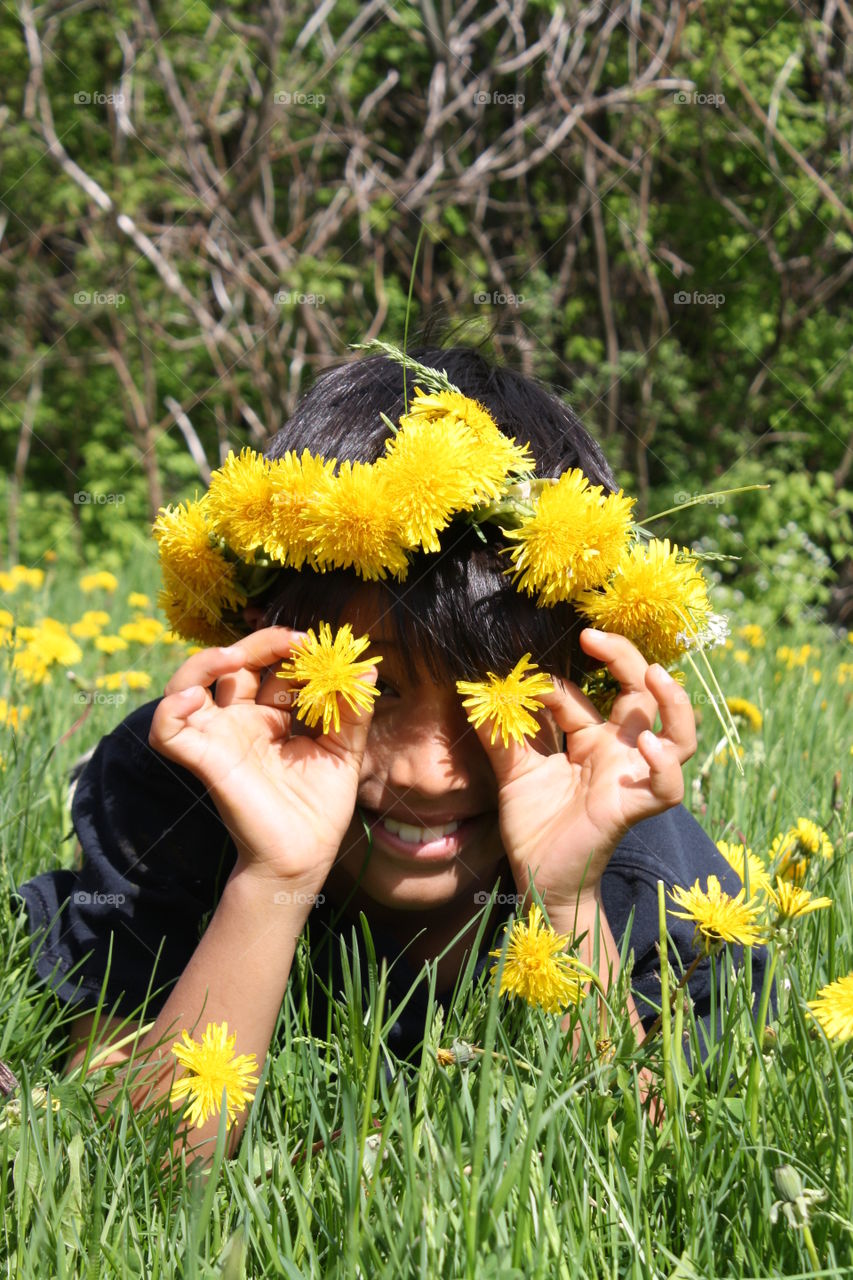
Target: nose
(439, 753)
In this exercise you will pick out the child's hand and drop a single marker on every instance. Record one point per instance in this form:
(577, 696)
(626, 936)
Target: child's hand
(286, 797)
(563, 814)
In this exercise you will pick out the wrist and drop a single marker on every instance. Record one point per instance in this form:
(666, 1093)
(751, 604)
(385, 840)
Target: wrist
(287, 902)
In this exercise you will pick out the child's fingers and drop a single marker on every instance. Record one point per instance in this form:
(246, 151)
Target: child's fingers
(635, 705)
(508, 760)
(678, 724)
(570, 708)
(666, 781)
(238, 667)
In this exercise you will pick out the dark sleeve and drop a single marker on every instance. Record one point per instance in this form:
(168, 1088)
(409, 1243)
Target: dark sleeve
(672, 847)
(155, 858)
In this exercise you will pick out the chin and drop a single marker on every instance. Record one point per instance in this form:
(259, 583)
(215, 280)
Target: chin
(419, 890)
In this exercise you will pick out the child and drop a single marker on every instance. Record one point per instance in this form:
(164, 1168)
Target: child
(214, 824)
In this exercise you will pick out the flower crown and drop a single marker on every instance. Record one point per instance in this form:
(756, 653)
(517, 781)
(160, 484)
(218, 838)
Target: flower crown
(445, 460)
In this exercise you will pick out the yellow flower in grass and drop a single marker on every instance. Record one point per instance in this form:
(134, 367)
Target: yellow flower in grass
(240, 501)
(429, 470)
(329, 668)
(143, 631)
(110, 644)
(46, 643)
(657, 597)
(739, 859)
(791, 901)
(102, 581)
(139, 600)
(833, 1008)
(507, 700)
(745, 712)
(537, 967)
(86, 628)
(14, 716)
(132, 679)
(211, 1067)
(793, 850)
(495, 457)
(31, 666)
(196, 576)
(718, 917)
(352, 523)
(574, 540)
(295, 480)
(18, 576)
(753, 633)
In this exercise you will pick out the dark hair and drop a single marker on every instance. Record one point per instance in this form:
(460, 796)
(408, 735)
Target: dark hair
(457, 611)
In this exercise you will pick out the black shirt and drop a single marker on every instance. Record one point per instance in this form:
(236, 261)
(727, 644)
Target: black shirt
(157, 855)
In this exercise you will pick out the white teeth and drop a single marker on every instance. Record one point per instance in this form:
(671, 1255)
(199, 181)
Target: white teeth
(418, 835)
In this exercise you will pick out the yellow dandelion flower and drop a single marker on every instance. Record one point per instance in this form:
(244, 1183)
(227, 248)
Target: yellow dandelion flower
(295, 480)
(794, 849)
(429, 470)
(110, 644)
(739, 859)
(145, 631)
(112, 680)
(137, 679)
(102, 581)
(494, 456)
(573, 541)
(833, 1008)
(190, 623)
(791, 901)
(85, 629)
(329, 668)
(212, 1066)
(537, 968)
(352, 523)
(741, 656)
(6, 618)
(139, 600)
(49, 642)
(14, 716)
(657, 597)
(507, 700)
(31, 666)
(753, 633)
(20, 576)
(746, 712)
(192, 568)
(844, 672)
(240, 502)
(719, 918)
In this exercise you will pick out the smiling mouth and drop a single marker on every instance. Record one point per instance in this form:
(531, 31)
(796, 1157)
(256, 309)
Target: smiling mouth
(439, 841)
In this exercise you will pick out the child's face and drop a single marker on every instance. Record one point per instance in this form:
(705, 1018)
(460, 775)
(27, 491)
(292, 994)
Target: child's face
(423, 769)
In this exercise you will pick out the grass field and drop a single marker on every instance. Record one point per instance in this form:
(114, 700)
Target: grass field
(528, 1160)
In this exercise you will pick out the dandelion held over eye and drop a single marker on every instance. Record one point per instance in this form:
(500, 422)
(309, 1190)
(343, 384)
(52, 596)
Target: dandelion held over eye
(507, 701)
(537, 968)
(329, 668)
(211, 1067)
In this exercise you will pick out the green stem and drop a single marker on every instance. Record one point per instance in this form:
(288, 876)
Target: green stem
(755, 1065)
(812, 1251)
(700, 497)
(666, 1013)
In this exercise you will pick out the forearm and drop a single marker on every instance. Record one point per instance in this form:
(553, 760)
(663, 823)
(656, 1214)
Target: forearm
(238, 974)
(583, 920)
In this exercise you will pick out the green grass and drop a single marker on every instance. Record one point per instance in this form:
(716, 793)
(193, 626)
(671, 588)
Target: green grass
(528, 1161)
